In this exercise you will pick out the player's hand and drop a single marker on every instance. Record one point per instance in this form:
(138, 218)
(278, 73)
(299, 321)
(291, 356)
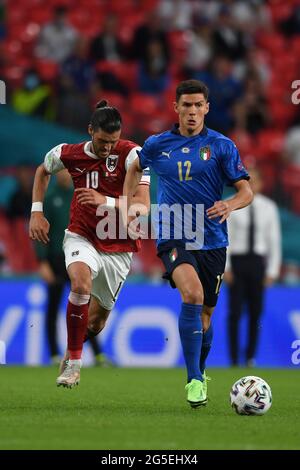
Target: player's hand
(133, 224)
(39, 227)
(46, 272)
(90, 196)
(219, 209)
(134, 229)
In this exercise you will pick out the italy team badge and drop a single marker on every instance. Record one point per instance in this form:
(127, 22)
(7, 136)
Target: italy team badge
(205, 153)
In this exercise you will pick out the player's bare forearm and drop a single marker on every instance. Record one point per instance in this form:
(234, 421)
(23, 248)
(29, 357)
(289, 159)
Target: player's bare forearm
(132, 180)
(40, 185)
(39, 225)
(142, 199)
(223, 209)
(243, 196)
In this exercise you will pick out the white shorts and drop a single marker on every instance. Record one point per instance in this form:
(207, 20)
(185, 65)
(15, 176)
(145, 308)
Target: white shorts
(109, 270)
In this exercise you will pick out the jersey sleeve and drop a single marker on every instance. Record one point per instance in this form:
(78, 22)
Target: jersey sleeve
(231, 163)
(146, 153)
(132, 155)
(52, 162)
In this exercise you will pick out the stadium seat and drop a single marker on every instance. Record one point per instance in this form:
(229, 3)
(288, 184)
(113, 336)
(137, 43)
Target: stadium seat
(114, 99)
(143, 105)
(48, 70)
(280, 11)
(273, 42)
(126, 72)
(269, 143)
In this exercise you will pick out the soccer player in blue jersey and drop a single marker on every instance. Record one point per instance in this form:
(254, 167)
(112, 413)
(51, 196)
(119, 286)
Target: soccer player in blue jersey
(193, 163)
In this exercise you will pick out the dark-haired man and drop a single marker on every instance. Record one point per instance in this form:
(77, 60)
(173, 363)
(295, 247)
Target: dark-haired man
(97, 263)
(193, 163)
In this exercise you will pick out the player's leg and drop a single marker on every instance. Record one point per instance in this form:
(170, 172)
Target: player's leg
(190, 329)
(97, 317)
(255, 297)
(77, 321)
(207, 335)
(211, 265)
(54, 294)
(82, 265)
(236, 298)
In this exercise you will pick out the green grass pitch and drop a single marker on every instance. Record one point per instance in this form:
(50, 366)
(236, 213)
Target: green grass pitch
(141, 409)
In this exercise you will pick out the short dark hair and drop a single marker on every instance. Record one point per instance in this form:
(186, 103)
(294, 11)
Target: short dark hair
(106, 118)
(189, 87)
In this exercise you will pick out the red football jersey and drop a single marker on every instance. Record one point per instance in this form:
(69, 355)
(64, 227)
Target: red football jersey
(103, 175)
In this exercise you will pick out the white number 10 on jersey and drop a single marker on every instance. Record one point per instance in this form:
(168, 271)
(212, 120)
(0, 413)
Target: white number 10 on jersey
(92, 179)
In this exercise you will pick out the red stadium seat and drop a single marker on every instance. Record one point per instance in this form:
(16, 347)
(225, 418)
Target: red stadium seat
(274, 43)
(280, 10)
(13, 75)
(126, 72)
(282, 114)
(114, 99)
(47, 70)
(269, 143)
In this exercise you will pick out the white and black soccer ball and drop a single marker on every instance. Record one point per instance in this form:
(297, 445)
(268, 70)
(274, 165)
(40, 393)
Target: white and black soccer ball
(251, 396)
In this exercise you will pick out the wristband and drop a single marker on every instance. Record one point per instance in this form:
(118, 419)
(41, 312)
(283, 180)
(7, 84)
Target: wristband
(37, 207)
(110, 202)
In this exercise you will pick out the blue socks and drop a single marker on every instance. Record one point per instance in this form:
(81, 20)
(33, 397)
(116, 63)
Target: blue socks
(206, 345)
(190, 331)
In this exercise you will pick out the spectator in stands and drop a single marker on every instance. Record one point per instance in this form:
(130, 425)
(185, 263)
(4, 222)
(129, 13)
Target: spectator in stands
(292, 144)
(2, 19)
(57, 39)
(106, 45)
(225, 90)
(229, 40)
(251, 110)
(148, 32)
(176, 14)
(153, 74)
(76, 82)
(291, 26)
(34, 97)
(253, 263)
(19, 204)
(200, 48)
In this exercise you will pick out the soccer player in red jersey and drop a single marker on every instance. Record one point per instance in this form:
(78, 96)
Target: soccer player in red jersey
(97, 265)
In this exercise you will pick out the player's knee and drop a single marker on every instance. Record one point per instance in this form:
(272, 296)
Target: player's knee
(81, 285)
(96, 326)
(191, 296)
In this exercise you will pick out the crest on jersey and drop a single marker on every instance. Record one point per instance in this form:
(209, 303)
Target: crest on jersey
(205, 153)
(111, 162)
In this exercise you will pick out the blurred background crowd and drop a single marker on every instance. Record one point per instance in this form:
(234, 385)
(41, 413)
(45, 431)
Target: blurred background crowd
(59, 58)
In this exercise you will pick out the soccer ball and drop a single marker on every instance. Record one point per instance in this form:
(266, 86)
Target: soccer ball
(251, 396)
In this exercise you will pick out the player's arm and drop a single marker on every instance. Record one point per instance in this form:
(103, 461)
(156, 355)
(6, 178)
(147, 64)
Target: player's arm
(242, 198)
(39, 225)
(132, 181)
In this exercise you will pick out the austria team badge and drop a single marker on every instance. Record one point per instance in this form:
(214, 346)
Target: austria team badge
(111, 162)
(205, 153)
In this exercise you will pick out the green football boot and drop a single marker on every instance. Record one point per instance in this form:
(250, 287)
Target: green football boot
(205, 380)
(195, 393)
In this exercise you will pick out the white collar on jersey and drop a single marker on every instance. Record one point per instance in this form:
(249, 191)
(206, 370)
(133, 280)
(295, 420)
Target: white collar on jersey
(87, 151)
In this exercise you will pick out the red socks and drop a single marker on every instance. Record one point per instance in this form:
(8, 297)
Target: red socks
(77, 321)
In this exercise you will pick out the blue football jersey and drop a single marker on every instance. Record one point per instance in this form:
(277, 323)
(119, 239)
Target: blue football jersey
(192, 172)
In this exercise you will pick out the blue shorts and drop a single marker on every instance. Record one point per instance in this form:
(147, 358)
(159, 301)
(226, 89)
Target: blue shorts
(209, 265)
